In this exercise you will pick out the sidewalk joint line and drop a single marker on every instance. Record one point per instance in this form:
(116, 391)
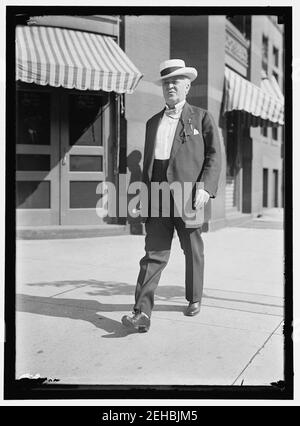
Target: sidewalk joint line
(243, 292)
(257, 352)
(250, 302)
(67, 291)
(242, 310)
(182, 320)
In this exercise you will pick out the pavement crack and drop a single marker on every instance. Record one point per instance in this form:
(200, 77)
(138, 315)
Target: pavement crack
(257, 352)
(67, 291)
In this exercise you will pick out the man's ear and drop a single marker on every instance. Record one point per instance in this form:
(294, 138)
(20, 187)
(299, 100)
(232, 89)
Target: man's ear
(188, 86)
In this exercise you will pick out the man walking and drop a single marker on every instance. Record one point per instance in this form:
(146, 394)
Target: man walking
(182, 145)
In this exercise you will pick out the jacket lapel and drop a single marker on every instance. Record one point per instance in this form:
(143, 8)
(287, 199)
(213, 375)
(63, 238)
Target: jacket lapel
(179, 137)
(150, 143)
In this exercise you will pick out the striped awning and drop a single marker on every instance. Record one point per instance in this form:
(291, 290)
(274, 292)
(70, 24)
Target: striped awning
(73, 59)
(264, 106)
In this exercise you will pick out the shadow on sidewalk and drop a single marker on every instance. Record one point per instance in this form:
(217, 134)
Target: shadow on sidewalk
(91, 310)
(110, 288)
(164, 292)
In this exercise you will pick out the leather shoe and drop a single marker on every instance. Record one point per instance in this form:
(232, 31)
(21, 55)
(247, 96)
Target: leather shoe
(139, 321)
(193, 309)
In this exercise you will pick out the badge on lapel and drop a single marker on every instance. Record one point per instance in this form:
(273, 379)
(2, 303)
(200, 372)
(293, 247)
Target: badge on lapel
(189, 130)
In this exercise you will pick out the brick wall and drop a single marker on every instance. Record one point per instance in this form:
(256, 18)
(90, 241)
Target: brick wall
(147, 43)
(200, 42)
(266, 150)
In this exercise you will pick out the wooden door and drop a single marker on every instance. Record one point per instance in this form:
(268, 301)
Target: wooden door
(37, 156)
(84, 156)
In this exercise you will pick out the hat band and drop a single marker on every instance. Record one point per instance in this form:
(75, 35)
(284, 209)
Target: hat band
(169, 70)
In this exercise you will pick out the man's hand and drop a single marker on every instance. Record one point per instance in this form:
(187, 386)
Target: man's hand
(138, 208)
(201, 198)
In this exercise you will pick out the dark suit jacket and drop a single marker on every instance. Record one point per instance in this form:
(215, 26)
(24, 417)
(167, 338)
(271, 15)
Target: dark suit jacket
(195, 157)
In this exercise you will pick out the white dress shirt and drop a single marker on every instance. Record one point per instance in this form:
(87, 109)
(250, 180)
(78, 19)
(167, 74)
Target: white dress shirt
(166, 132)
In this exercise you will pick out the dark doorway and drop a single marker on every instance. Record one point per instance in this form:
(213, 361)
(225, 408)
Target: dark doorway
(265, 187)
(275, 188)
(233, 189)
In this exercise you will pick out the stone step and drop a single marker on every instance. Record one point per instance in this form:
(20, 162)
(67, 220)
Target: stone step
(62, 232)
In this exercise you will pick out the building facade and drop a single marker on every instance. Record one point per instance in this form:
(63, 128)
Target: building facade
(251, 177)
(71, 74)
(94, 136)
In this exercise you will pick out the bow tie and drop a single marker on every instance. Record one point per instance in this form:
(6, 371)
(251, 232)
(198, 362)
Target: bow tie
(173, 112)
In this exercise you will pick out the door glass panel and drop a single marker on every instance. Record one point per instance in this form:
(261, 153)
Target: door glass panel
(86, 163)
(33, 118)
(85, 118)
(33, 162)
(83, 194)
(33, 194)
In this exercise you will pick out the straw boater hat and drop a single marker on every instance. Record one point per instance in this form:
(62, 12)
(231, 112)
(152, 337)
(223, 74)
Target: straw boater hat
(174, 67)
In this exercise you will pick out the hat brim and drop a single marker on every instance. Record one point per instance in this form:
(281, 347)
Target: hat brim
(188, 72)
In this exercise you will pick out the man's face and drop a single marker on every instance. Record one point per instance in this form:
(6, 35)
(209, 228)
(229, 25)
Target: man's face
(175, 89)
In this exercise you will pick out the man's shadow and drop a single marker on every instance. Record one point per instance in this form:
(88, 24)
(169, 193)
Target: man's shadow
(92, 310)
(134, 168)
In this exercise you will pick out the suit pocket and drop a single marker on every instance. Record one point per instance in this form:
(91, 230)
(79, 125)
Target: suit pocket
(196, 139)
(194, 147)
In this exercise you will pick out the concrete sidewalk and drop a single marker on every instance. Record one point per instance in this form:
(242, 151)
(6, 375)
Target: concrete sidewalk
(73, 293)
